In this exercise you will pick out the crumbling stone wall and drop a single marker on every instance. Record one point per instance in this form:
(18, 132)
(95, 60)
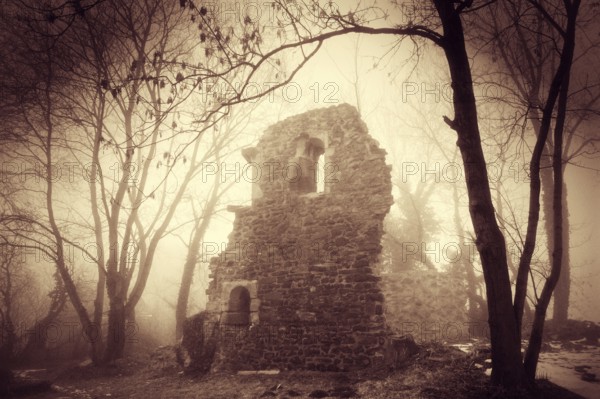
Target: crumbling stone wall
(427, 304)
(296, 287)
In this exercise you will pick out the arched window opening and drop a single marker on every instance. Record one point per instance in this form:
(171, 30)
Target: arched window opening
(308, 174)
(238, 309)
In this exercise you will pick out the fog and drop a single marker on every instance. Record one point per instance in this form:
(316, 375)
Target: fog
(389, 113)
(402, 92)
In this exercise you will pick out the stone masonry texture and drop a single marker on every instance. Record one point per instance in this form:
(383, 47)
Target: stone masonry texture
(297, 286)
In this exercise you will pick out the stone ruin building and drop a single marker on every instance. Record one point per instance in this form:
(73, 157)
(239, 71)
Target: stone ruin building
(297, 286)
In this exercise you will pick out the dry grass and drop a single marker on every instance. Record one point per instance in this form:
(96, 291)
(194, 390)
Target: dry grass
(437, 372)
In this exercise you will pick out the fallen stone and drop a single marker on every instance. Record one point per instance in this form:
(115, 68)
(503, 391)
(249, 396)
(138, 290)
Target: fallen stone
(255, 372)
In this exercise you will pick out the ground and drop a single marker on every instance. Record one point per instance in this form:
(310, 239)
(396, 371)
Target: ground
(575, 366)
(438, 371)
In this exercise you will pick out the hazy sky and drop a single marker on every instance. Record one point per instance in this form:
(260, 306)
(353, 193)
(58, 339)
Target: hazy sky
(330, 78)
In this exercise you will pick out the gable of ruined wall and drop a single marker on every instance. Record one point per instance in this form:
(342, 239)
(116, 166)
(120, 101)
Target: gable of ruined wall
(310, 257)
(355, 165)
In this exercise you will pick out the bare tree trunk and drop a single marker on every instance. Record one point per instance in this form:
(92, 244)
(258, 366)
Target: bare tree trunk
(188, 269)
(537, 330)
(507, 367)
(115, 339)
(476, 303)
(8, 336)
(563, 288)
(186, 278)
(9, 341)
(533, 216)
(98, 233)
(192, 256)
(562, 292)
(61, 265)
(36, 343)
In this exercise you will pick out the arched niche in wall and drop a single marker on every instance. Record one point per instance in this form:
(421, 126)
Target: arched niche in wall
(303, 172)
(239, 303)
(238, 307)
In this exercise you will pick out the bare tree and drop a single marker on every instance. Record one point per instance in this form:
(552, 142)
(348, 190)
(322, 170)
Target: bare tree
(523, 39)
(229, 132)
(8, 264)
(115, 77)
(109, 87)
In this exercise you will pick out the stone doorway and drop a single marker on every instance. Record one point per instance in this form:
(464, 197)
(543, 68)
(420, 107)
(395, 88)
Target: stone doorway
(238, 309)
